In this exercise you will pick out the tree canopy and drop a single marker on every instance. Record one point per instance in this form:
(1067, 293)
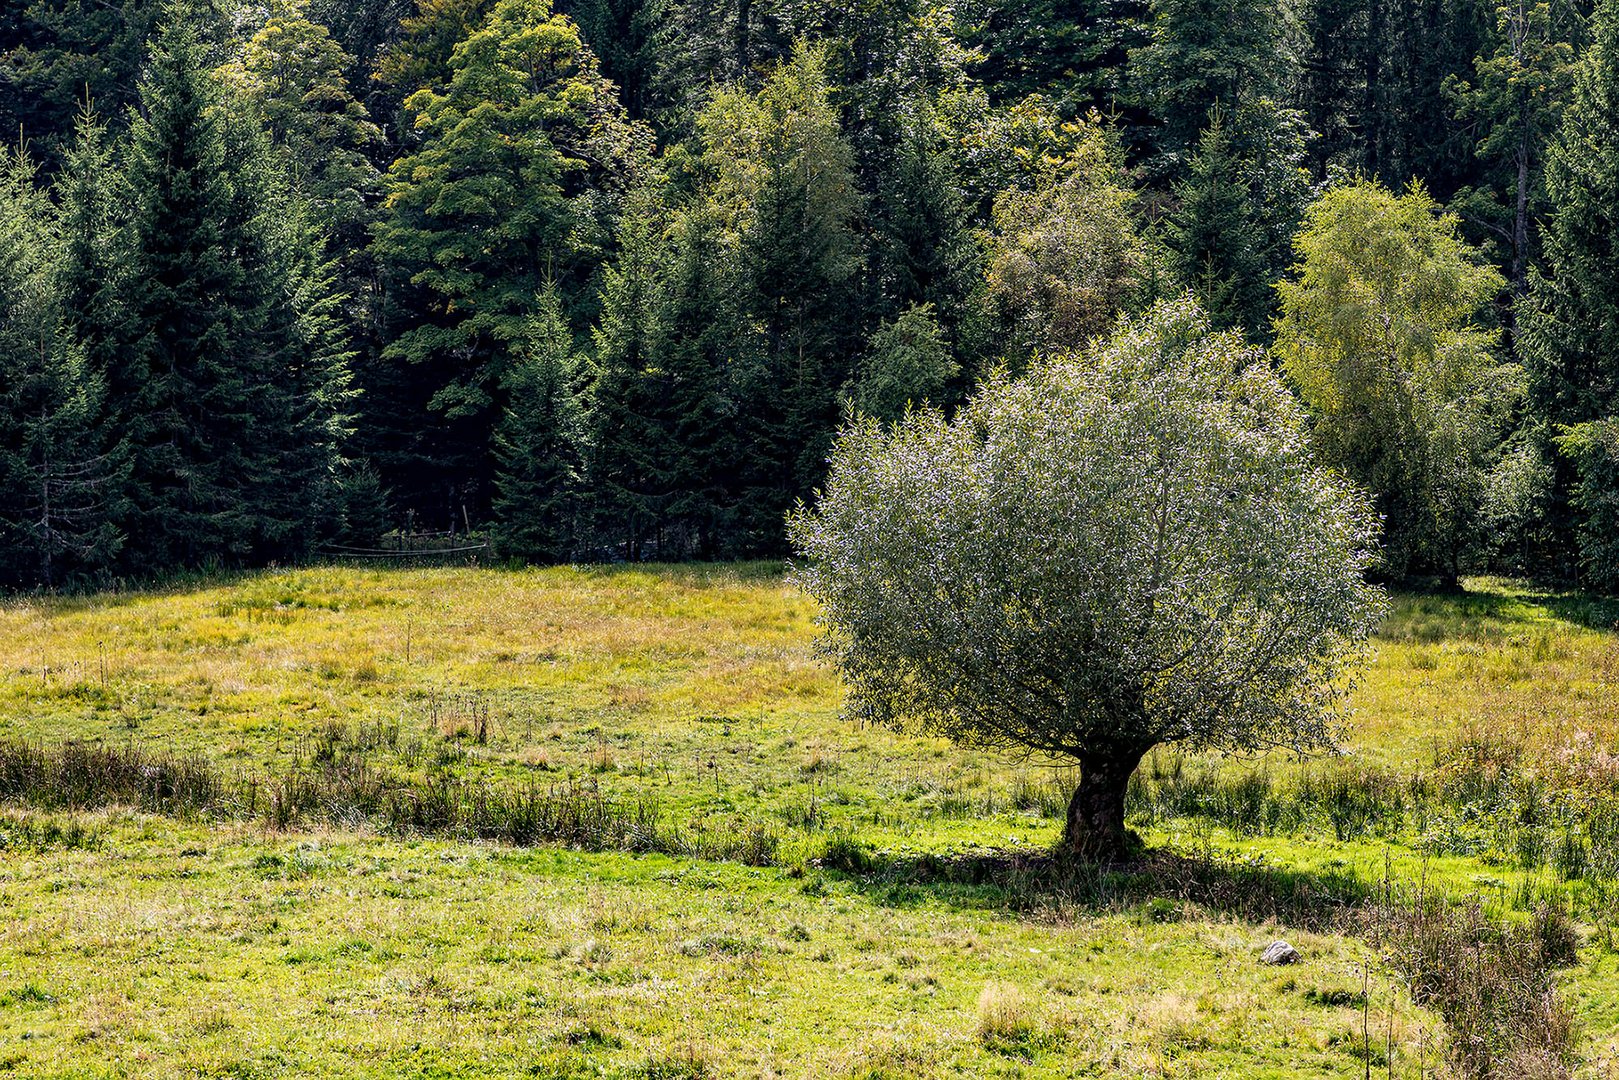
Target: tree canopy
(300, 248)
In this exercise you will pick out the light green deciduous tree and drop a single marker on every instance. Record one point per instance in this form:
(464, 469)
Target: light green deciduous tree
(1381, 334)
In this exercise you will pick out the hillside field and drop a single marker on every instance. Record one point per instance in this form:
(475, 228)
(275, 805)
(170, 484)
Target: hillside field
(798, 896)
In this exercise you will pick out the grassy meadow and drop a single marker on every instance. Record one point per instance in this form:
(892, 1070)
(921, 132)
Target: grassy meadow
(793, 895)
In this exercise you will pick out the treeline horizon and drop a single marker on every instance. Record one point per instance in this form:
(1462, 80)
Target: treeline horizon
(601, 280)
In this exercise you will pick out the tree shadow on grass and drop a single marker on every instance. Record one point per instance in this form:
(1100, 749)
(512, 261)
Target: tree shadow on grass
(1591, 612)
(1158, 882)
(1511, 603)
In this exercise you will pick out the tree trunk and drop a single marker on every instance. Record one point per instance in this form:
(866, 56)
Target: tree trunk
(1095, 830)
(1520, 221)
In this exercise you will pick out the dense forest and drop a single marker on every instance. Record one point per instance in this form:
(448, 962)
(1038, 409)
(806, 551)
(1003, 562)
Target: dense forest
(602, 280)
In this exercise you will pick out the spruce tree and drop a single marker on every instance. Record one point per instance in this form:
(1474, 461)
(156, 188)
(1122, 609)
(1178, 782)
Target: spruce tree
(61, 469)
(233, 384)
(631, 449)
(923, 248)
(1238, 207)
(1212, 232)
(92, 198)
(907, 363)
(1516, 99)
(782, 177)
(1569, 325)
(702, 337)
(1208, 53)
(539, 446)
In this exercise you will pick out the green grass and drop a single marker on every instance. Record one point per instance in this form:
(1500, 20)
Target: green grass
(143, 946)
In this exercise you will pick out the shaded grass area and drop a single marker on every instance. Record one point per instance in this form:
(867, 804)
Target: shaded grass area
(663, 715)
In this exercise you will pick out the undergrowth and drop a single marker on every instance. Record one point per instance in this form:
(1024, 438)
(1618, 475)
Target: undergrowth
(344, 789)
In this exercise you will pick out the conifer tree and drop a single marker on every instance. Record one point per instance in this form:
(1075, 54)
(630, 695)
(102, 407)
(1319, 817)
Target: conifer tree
(525, 160)
(631, 448)
(924, 252)
(61, 470)
(539, 446)
(57, 54)
(1212, 232)
(907, 363)
(782, 176)
(1516, 98)
(1569, 325)
(233, 383)
(703, 335)
(1238, 207)
(92, 198)
(1208, 53)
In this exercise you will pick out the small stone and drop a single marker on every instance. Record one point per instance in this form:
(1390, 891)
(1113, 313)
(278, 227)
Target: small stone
(1279, 952)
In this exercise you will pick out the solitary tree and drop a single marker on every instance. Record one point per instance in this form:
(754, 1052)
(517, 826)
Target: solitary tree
(1125, 547)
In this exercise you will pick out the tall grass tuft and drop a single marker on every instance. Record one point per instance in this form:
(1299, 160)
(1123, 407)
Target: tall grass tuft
(1492, 980)
(343, 789)
(79, 776)
(1004, 1015)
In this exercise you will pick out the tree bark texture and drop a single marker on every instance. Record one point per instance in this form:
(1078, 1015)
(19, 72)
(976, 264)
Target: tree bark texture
(1095, 831)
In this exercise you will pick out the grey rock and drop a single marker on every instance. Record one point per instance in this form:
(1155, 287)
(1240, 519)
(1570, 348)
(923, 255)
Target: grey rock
(1279, 952)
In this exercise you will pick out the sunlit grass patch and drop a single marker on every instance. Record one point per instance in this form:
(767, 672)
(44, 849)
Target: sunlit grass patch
(838, 897)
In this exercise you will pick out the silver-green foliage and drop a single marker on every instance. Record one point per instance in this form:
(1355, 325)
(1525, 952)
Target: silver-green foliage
(1124, 547)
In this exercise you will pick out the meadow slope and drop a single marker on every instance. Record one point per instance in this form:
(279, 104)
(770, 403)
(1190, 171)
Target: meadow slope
(898, 922)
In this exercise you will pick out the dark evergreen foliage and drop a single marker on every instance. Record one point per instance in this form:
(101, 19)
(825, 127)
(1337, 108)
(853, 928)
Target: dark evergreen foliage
(1570, 323)
(540, 444)
(228, 375)
(603, 278)
(62, 466)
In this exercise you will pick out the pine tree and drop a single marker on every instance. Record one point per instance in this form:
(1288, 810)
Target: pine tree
(1209, 53)
(907, 363)
(1517, 98)
(781, 176)
(1569, 325)
(61, 470)
(1238, 207)
(923, 249)
(702, 337)
(540, 444)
